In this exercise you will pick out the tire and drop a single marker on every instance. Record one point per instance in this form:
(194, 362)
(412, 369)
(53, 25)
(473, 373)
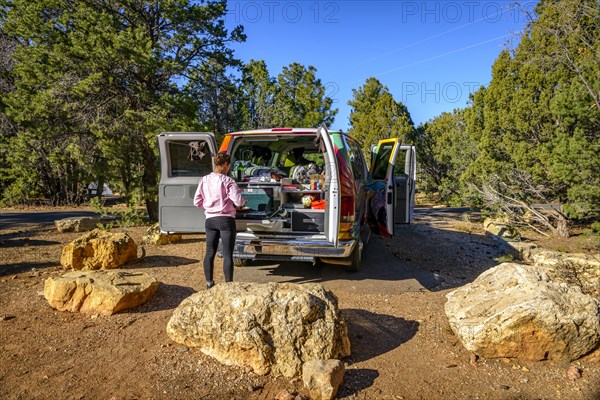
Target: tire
(318, 263)
(355, 258)
(240, 262)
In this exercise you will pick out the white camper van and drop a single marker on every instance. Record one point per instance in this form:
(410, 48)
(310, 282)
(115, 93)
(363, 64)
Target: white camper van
(310, 193)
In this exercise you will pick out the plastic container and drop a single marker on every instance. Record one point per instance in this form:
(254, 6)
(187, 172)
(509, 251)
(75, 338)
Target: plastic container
(318, 205)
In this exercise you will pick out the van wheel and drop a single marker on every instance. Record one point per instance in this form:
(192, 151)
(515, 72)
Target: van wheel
(355, 259)
(240, 262)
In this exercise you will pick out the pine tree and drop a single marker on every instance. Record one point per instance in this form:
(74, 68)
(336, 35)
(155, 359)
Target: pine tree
(107, 75)
(7, 127)
(538, 121)
(258, 96)
(375, 115)
(444, 152)
(218, 96)
(300, 98)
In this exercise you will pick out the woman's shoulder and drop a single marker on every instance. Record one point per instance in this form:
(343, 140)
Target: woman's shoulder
(225, 179)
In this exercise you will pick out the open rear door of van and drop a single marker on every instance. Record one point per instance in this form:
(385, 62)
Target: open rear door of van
(184, 158)
(382, 203)
(333, 199)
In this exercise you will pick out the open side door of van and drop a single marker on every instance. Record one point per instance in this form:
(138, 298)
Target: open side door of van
(405, 176)
(184, 158)
(382, 204)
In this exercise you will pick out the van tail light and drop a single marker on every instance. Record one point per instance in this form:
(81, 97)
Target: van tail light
(347, 209)
(346, 190)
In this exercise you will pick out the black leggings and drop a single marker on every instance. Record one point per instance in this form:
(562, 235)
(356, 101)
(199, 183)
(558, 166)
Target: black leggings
(224, 228)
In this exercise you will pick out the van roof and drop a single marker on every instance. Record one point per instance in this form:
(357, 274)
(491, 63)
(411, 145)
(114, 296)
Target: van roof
(277, 131)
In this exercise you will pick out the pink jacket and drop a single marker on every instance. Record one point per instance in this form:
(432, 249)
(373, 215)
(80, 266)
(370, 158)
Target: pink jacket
(218, 194)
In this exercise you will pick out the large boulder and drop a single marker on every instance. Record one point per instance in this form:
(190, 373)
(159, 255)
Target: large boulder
(501, 228)
(99, 249)
(527, 312)
(271, 328)
(99, 292)
(77, 224)
(579, 269)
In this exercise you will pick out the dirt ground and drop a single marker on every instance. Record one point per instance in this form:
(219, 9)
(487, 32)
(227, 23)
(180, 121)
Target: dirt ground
(402, 346)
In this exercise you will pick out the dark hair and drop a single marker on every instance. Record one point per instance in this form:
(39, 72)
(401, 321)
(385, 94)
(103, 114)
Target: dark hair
(222, 158)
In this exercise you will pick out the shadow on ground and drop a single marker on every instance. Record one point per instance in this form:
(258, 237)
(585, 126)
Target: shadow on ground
(22, 242)
(365, 326)
(167, 297)
(163, 261)
(19, 268)
(356, 380)
(421, 256)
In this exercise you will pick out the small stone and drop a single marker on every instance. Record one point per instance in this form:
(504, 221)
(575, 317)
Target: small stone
(504, 387)
(506, 360)
(78, 224)
(7, 317)
(451, 366)
(525, 369)
(154, 236)
(524, 380)
(323, 378)
(284, 395)
(573, 373)
(473, 359)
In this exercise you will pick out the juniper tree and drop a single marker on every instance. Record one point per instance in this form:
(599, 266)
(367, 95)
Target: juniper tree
(110, 72)
(375, 115)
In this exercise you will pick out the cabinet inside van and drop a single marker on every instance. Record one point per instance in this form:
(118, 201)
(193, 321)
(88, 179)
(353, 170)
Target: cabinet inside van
(284, 180)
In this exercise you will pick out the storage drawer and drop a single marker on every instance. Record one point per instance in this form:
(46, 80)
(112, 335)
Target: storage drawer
(308, 220)
(258, 199)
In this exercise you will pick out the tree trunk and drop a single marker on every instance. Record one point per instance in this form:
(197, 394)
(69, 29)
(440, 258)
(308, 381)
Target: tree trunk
(562, 227)
(149, 182)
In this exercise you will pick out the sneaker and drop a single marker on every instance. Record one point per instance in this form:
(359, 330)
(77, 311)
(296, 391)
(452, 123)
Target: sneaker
(209, 284)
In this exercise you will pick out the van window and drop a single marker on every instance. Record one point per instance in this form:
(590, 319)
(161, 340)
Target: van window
(258, 156)
(382, 160)
(357, 160)
(400, 168)
(189, 158)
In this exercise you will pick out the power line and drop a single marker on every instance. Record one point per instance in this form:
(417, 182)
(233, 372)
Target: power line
(433, 58)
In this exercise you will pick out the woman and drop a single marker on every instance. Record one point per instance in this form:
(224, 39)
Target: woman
(219, 195)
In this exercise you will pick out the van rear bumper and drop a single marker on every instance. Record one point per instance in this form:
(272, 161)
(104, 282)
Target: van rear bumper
(290, 249)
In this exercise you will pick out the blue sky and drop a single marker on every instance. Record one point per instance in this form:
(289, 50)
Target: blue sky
(430, 54)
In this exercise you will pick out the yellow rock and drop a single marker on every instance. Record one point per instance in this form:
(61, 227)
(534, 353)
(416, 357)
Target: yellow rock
(99, 292)
(99, 249)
